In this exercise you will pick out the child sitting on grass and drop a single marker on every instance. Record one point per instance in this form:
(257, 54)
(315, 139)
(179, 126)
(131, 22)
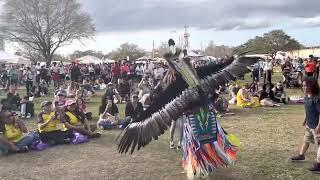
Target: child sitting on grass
(310, 88)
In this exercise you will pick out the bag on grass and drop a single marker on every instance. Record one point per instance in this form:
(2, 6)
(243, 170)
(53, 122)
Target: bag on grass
(39, 146)
(79, 138)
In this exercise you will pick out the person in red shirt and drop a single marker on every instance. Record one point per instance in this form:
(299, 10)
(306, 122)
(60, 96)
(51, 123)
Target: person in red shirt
(115, 72)
(310, 66)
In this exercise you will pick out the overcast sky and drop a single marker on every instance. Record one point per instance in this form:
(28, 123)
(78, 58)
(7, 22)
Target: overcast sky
(229, 22)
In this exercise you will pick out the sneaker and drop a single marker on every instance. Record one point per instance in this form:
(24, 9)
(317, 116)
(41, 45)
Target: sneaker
(179, 146)
(28, 116)
(172, 146)
(298, 158)
(23, 116)
(23, 149)
(315, 168)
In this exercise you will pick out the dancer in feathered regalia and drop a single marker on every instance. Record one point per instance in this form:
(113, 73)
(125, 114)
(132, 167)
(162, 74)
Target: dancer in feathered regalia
(206, 145)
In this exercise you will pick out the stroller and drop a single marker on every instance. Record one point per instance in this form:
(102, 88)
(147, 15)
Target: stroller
(293, 79)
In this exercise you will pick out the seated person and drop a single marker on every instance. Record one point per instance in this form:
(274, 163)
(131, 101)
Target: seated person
(133, 110)
(71, 90)
(87, 86)
(220, 103)
(244, 99)
(82, 93)
(61, 90)
(26, 108)
(60, 99)
(76, 121)
(17, 133)
(13, 100)
(279, 93)
(267, 96)
(83, 108)
(108, 113)
(35, 91)
(111, 91)
(233, 89)
(5, 145)
(50, 125)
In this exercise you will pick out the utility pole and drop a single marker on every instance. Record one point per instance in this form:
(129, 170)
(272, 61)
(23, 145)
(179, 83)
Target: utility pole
(153, 49)
(186, 37)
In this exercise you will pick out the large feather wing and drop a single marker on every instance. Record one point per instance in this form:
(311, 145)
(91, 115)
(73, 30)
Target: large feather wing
(139, 134)
(175, 88)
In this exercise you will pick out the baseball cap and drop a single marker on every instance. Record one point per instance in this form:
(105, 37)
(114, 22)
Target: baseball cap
(46, 103)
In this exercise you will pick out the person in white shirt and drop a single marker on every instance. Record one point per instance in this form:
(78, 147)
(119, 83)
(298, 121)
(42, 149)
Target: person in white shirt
(267, 68)
(139, 71)
(158, 72)
(147, 70)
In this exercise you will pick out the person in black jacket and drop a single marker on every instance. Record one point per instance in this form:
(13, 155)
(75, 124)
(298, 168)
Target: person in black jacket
(133, 110)
(75, 72)
(267, 96)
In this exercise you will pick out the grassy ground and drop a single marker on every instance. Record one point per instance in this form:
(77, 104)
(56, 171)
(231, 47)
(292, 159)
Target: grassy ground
(269, 137)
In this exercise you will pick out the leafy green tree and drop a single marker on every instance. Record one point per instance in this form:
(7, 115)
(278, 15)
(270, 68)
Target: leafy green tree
(270, 43)
(127, 50)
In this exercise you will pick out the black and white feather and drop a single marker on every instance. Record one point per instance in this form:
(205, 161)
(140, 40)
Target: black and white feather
(157, 119)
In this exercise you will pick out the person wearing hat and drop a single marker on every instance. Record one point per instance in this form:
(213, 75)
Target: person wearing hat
(50, 125)
(76, 120)
(60, 99)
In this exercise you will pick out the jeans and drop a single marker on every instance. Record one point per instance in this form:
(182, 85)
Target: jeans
(29, 85)
(28, 139)
(4, 149)
(255, 75)
(180, 123)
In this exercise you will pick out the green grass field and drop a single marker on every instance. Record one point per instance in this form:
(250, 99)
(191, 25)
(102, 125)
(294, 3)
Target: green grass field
(269, 136)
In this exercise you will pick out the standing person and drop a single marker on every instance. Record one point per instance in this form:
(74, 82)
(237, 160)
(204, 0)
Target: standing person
(316, 75)
(13, 75)
(62, 73)
(48, 76)
(55, 74)
(75, 72)
(255, 72)
(310, 88)
(267, 68)
(310, 66)
(180, 123)
(91, 72)
(29, 75)
(115, 70)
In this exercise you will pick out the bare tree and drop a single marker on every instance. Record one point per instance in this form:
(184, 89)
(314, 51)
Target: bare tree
(46, 25)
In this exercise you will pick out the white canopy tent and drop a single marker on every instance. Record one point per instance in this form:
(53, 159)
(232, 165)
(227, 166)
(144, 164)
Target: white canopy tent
(13, 59)
(89, 60)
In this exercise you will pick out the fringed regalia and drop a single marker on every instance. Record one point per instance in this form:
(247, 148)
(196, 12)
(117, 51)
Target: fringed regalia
(206, 145)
